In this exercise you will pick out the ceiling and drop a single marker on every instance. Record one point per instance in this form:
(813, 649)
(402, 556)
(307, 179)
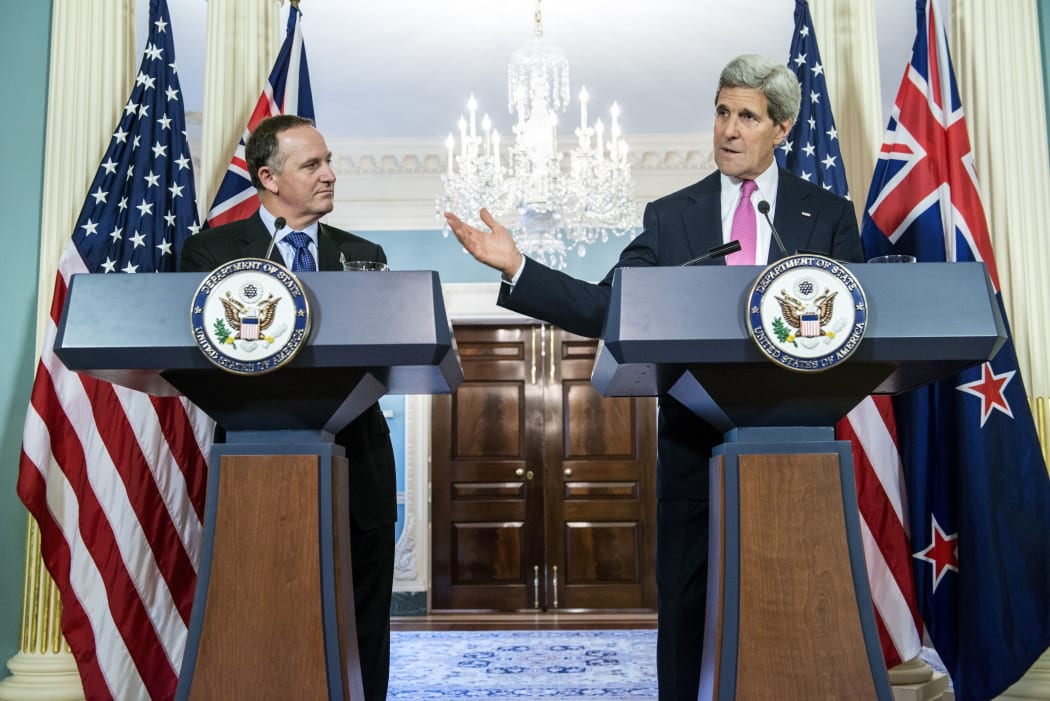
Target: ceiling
(405, 69)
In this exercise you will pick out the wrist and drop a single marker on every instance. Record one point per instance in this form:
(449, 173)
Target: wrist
(514, 266)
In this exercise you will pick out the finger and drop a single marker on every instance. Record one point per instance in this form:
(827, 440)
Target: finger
(487, 217)
(453, 220)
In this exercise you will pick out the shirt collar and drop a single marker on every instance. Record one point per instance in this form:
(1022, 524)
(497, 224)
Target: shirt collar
(269, 221)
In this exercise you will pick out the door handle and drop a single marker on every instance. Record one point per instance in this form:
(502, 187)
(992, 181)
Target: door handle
(522, 472)
(535, 586)
(555, 586)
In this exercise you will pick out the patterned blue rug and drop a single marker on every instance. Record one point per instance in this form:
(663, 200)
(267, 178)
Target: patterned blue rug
(544, 664)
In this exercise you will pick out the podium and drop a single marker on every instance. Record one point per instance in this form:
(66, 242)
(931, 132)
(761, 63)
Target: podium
(273, 612)
(789, 610)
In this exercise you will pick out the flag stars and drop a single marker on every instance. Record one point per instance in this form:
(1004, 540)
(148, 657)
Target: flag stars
(159, 150)
(123, 204)
(90, 227)
(143, 110)
(152, 180)
(829, 161)
(169, 219)
(193, 228)
(172, 93)
(183, 162)
(100, 197)
(812, 123)
(832, 133)
(817, 69)
(147, 80)
(164, 122)
(809, 149)
(990, 388)
(110, 166)
(153, 51)
(144, 208)
(138, 239)
(109, 265)
(814, 97)
(136, 142)
(129, 268)
(786, 146)
(117, 234)
(942, 552)
(165, 247)
(161, 25)
(804, 31)
(130, 108)
(120, 135)
(800, 60)
(176, 190)
(808, 177)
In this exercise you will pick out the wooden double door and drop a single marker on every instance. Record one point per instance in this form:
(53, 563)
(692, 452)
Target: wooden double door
(543, 491)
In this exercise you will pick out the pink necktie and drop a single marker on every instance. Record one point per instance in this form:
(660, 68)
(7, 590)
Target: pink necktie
(745, 228)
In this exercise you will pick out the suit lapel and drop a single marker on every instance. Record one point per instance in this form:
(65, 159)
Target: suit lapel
(254, 239)
(702, 221)
(327, 250)
(794, 218)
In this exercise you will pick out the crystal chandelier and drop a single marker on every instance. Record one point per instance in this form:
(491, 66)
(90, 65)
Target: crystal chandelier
(551, 203)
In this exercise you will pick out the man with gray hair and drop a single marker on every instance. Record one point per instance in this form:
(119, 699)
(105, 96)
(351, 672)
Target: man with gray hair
(755, 105)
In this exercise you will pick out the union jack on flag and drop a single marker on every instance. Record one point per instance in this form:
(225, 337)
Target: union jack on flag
(115, 478)
(287, 91)
(977, 485)
(812, 152)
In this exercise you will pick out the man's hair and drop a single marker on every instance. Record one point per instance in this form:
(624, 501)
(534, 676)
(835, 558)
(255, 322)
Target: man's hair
(775, 80)
(262, 149)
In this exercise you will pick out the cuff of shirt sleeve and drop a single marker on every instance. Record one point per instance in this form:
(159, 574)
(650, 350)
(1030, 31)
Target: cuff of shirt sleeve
(514, 280)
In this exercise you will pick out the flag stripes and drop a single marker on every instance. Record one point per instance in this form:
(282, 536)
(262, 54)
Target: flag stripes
(115, 478)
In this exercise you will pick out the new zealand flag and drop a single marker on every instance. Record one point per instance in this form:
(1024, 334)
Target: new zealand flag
(977, 484)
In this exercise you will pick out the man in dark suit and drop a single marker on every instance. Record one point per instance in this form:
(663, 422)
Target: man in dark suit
(755, 105)
(290, 167)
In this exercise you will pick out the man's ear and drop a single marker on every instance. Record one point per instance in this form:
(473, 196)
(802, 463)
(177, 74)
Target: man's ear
(268, 178)
(783, 129)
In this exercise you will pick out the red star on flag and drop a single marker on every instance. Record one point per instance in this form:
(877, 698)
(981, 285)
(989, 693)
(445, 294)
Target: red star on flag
(990, 390)
(943, 552)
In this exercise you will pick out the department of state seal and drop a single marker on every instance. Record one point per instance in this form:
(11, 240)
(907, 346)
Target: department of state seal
(807, 312)
(250, 316)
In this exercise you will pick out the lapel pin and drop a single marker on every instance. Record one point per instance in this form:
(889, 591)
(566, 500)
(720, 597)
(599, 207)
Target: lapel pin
(806, 214)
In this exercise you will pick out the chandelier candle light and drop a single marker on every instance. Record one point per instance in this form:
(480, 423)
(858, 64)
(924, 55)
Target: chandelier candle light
(552, 204)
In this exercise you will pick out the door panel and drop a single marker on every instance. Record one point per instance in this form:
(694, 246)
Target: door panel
(543, 490)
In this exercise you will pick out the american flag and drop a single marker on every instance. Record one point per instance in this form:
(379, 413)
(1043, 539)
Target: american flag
(812, 151)
(977, 483)
(287, 91)
(115, 478)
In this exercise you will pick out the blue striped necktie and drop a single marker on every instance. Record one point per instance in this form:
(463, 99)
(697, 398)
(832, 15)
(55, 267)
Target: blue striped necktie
(304, 260)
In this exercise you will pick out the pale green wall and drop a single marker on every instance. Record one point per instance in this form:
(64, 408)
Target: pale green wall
(24, 38)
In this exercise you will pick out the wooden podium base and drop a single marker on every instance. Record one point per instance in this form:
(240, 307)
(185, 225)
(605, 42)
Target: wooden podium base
(273, 612)
(789, 612)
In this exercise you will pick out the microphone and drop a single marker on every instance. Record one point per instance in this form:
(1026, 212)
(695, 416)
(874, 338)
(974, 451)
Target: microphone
(763, 207)
(278, 224)
(717, 252)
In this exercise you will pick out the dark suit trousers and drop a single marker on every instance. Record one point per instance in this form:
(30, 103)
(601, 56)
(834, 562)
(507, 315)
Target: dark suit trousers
(372, 551)
(681, 581)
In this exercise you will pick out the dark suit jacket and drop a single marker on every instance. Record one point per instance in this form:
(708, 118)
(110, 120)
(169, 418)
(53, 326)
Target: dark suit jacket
(373, 490)
(677, 228)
